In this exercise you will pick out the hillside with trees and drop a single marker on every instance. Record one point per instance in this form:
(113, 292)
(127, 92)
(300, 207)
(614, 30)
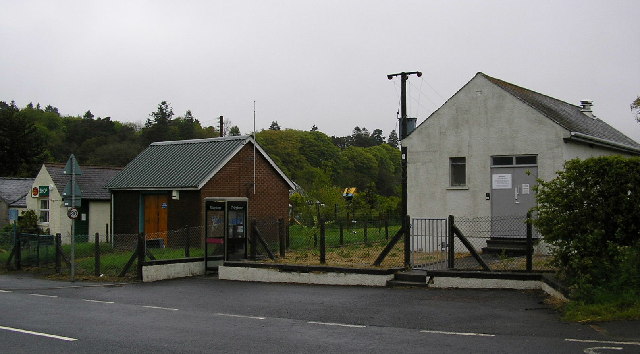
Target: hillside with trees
(321, 165)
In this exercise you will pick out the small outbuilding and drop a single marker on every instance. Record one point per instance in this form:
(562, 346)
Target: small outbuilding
(216, 186)
(481, 153)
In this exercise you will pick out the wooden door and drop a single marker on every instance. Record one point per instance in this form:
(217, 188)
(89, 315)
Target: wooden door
(156, 207)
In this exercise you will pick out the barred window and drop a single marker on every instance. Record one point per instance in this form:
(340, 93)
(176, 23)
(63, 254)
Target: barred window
(458, 171)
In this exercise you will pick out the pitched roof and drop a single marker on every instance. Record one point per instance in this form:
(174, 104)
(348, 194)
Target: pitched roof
(184, 164)
(582, 127)
(92, 181)
(14, 191)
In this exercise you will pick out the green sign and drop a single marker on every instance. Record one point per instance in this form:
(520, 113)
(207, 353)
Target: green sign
(43, 191)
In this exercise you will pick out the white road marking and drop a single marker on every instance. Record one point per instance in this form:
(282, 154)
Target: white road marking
(337, 324)
(600, 341)
(240, 316)
(5, 291)
(42, 295)
(459, 333)
(596, 350)
(38, 333)
(160, 308)
(98, 301)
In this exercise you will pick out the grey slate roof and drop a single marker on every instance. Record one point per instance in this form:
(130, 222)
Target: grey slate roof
(185, 164)
(92, 181)
(13, 191)
(568, 116)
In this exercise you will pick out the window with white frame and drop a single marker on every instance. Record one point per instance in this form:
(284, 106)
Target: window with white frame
(44, 210)
(457, 171)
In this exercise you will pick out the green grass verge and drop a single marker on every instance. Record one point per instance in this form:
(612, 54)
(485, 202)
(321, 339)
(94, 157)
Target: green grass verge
(608, 307)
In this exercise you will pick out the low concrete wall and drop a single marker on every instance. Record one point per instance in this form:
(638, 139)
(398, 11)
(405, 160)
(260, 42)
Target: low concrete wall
(172, 270)
(478, 283)
(323, 278)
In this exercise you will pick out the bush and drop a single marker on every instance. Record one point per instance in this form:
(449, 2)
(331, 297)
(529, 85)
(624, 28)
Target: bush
(591, 213)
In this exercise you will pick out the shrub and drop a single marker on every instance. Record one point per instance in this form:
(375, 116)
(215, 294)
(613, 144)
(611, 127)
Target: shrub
(591, 213)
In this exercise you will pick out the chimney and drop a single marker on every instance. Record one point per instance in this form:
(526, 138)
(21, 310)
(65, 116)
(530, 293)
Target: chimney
(585, 107)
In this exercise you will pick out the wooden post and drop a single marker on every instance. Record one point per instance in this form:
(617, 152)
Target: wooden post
(141, 254)
(106, 233)
(366, 224)
(323, 258)
(187, 242)
(58, 247)
(254, 243)
(282, 238)
(451, 241)
(529, 243)
(97, 255)
(386, 227)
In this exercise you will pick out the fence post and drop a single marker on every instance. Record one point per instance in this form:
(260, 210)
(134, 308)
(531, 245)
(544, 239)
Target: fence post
(18, 253)
(323, 258)
(254, 242)
(366, 223)
(106, 233)
(406, 222)
(281, 238)
(38, 248)
(58, 243)
(529, 243)
(341, 233)
(451, 241)
(187, 242)
(97, 255)
(386, 227)
(140, 249)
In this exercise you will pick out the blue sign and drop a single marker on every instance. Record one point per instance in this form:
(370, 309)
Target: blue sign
(164, 205)
(13, 214)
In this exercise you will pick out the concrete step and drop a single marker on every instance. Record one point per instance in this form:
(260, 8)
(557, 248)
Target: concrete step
(412, 276)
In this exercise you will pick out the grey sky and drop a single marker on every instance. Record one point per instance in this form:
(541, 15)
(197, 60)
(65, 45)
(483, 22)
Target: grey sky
(313, 62)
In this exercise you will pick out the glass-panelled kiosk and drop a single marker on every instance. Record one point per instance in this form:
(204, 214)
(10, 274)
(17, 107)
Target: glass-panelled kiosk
(226, 231)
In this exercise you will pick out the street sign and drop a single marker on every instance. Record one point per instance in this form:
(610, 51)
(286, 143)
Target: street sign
(73, 213)
(72, 167)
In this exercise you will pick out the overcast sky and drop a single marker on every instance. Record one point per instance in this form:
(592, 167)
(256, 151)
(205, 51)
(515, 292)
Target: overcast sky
(313, 62)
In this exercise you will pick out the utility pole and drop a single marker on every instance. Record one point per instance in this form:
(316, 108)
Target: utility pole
(404, 76)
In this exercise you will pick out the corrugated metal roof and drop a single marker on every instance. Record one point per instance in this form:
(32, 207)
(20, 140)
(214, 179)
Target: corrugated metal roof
(14, 190)
(566, 115)
(92, 181)
(185, 164)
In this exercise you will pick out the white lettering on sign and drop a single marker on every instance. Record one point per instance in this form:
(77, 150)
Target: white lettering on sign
(501, 181)
(236, 207)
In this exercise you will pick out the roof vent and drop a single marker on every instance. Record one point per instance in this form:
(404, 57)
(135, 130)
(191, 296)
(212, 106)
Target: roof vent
(585, 107)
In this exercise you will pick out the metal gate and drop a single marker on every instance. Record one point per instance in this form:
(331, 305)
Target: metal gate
(429, 243)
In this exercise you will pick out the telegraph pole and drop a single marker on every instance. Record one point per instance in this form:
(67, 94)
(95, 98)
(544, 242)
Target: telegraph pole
(404, 76)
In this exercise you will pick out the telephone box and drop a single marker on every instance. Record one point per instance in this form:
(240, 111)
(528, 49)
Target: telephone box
(226, 230)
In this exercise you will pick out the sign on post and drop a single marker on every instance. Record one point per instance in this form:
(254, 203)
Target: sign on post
(73, 213)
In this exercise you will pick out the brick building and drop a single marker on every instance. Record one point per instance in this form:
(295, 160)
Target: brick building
(211, 184)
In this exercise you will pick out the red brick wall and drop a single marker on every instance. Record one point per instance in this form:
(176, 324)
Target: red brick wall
(235, 179)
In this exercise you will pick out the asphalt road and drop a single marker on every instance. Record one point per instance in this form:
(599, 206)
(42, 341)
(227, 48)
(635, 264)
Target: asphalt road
(208, 315)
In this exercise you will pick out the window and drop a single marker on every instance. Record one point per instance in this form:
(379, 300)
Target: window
(458, 171)
(514, 160)
(44, 210)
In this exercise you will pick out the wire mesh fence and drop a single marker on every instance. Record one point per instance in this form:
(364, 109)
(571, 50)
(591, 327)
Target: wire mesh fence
(341, 243)
(500, 243)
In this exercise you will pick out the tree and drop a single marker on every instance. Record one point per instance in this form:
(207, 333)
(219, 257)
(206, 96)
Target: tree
(590, 213)
(88, 115)
(377, 137)
(314, 128)
(393, 139)
(157, 126)
(274, 126)
(21, 144)
(234, 131)
(635, 107)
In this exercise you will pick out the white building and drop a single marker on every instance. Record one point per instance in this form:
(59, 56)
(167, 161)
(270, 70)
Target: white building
(95, 210)
(479, 155)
